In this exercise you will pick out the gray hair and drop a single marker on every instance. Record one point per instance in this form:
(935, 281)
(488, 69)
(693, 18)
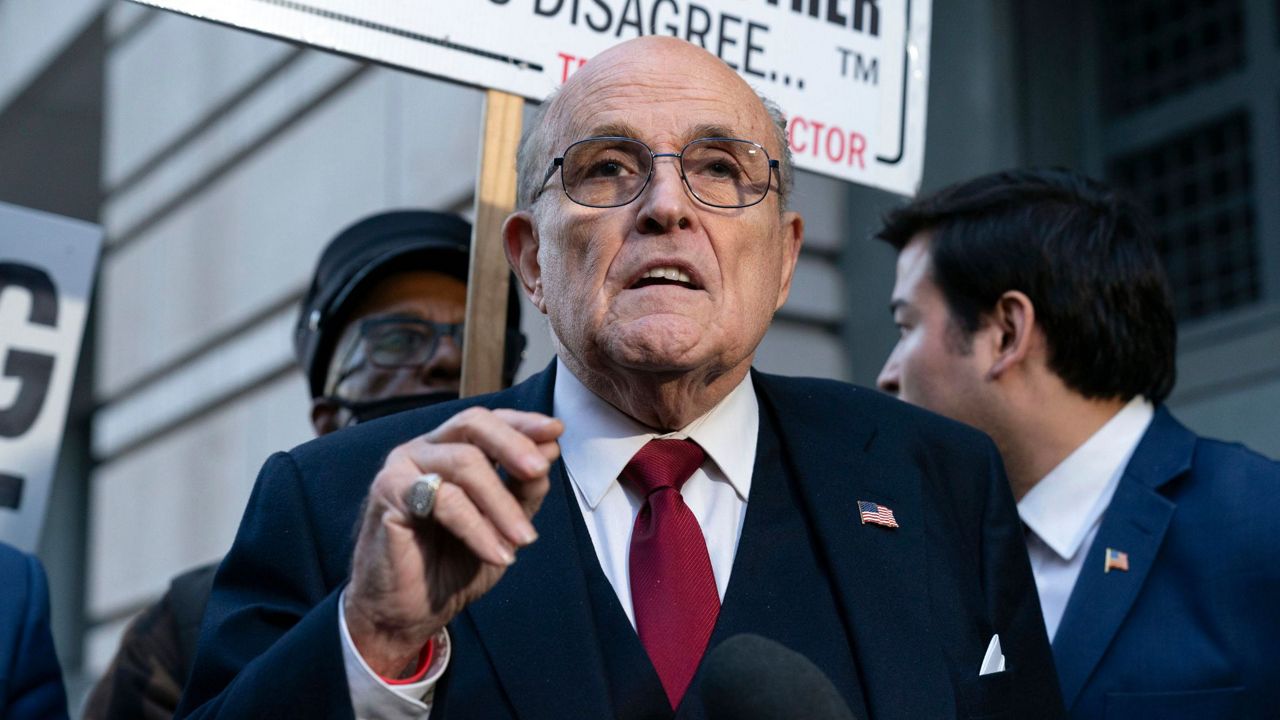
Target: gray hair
(534, 155)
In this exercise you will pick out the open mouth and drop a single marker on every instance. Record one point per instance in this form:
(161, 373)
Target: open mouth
(666, 275)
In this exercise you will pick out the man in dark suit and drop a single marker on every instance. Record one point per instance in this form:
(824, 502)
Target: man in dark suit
(30, 678)
(661, 496)
(1032, 305)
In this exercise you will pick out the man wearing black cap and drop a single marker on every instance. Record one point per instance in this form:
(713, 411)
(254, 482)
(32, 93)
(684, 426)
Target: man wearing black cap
(380, 330)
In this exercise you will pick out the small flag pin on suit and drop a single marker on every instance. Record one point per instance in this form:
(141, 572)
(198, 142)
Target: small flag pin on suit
(1116, 560)
(876, 514)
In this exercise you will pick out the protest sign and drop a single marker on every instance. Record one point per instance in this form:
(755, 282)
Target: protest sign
(46, 275)
(851, 75)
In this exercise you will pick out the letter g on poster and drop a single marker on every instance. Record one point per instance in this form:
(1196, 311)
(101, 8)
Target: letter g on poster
(46, 277)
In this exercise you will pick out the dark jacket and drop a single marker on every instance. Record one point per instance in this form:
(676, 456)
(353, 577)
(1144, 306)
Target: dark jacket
(30, 678)
(1192, 629)
(918, 605)
(145, 678)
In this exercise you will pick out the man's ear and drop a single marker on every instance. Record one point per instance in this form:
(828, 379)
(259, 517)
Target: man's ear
(324, 416)
(520, 239)
(1013, 322)
(792, 239)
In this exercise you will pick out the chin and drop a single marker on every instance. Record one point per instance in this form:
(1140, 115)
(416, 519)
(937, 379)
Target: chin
(658, 343)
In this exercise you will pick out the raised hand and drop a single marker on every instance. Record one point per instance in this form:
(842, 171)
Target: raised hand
(411, 576)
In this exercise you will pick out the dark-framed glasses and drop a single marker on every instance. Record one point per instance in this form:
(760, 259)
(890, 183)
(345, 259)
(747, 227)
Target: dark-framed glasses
(605, 172)
(397, 341)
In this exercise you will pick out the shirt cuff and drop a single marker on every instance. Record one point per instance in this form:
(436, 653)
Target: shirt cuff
(373, 697)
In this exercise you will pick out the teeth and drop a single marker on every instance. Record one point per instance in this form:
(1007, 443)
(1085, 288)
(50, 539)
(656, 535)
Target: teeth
(667, 273)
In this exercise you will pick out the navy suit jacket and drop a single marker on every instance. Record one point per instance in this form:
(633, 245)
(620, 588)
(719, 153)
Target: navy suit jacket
(1192, 629)
(920, 603)
(30, 679)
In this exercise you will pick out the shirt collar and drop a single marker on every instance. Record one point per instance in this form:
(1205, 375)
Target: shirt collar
(1063, 506)
(600, 440)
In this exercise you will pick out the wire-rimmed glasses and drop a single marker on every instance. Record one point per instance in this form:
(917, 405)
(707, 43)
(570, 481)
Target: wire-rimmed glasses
(605, 172)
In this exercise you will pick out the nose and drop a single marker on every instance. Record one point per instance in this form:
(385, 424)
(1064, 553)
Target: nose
(889, 379)
(444, 368)
(665, 205)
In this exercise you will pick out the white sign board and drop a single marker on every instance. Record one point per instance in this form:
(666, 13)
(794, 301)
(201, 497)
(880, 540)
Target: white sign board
(851, 75)
(46, 273)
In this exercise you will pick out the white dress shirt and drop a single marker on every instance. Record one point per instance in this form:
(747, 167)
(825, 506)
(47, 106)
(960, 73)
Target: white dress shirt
(1064, 510)
(598, 442)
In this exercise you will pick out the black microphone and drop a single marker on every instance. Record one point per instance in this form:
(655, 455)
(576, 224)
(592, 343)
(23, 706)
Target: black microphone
(748, 677)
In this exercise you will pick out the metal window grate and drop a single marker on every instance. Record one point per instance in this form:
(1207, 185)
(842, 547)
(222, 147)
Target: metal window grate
(1198, 187)
(1153, 49)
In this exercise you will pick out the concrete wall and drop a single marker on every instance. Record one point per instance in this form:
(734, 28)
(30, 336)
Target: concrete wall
(1229, 378)
(33, 33)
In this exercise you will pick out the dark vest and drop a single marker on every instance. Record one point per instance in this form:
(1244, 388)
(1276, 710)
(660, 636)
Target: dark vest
(778, 589)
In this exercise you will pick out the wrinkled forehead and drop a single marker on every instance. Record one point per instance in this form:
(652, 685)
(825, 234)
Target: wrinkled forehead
(660, 101)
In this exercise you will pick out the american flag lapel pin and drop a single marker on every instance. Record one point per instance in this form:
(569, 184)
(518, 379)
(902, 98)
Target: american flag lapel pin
(1116, 560)
(876, 514)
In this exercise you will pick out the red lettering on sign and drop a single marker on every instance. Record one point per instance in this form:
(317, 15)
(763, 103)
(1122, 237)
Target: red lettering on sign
(832, 142)
(857, 146)
(834, 154)
(569, 64)
(796, 122)
(817, 134)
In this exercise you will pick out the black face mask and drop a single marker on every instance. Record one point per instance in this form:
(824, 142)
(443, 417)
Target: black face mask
(366, 410)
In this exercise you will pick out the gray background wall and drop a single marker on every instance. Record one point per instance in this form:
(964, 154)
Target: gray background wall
(220, 163)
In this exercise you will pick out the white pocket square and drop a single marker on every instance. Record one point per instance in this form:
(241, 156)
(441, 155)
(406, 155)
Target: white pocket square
(993, 662)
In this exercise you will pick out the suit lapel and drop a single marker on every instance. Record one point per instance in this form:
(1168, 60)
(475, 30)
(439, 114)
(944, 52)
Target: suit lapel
(536, 622)
(879, 574)
(1134, 523)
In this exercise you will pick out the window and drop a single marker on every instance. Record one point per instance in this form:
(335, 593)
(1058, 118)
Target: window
(1198, 187)
(1154, 49)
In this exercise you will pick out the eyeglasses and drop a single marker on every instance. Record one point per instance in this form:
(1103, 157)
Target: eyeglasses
(396, 342)
(605, 172)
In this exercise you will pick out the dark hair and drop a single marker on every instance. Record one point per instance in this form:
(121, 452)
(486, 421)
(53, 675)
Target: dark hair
(1081, 252)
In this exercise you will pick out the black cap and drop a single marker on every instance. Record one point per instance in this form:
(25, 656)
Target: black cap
(366, 251)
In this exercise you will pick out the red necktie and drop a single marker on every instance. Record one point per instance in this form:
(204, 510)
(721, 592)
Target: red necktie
(672, 586)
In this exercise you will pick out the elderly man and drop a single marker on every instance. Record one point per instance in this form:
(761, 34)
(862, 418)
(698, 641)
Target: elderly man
(661, 496)
(1032, 304)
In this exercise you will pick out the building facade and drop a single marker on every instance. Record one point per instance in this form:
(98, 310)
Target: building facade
(220, 162)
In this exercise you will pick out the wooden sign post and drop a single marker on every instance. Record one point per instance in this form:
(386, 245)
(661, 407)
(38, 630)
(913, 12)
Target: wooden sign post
(486, 323)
